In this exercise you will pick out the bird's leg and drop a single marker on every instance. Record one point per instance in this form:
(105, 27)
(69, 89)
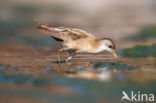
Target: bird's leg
(60, 50)
(59, 60)
(70, 56)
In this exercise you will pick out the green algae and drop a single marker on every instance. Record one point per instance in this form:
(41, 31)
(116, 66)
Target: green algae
(144, 34)
(111, 65)
(5, 67)
(139, 51)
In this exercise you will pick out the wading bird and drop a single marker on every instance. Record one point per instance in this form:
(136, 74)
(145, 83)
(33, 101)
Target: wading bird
(76, 41)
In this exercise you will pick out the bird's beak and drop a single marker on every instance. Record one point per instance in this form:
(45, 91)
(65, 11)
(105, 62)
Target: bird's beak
(114, 53)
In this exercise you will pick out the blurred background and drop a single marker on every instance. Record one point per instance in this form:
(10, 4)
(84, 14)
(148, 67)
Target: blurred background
(114, 19)
(28, 75)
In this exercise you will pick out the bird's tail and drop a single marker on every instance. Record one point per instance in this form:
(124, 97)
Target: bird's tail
(42, 24)
(46, 29)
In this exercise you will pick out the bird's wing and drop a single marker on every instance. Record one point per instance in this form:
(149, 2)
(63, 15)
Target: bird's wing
(78, 33)
(64, 34)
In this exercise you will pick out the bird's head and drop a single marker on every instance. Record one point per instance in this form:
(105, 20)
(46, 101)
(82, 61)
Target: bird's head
(108, 45)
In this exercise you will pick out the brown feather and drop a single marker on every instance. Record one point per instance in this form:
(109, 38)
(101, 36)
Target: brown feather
(72, 38)
(63, 34)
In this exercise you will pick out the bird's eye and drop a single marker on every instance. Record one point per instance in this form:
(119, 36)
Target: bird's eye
(110, 46)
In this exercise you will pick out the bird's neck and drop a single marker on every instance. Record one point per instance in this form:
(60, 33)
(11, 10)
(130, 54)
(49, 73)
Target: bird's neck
(99, 46)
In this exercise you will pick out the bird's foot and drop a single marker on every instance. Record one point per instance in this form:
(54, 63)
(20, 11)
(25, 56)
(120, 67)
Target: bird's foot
(68, 62)
(57, 62)
(68, 59)
(63, 61)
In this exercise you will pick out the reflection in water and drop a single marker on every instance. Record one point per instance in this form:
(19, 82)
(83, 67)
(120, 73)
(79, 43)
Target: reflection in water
(112, 71)
(104, 75)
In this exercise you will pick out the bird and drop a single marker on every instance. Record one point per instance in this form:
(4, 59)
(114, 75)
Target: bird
(76, 40)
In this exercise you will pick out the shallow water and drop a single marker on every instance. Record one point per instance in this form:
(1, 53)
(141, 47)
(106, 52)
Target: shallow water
(87, 78)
